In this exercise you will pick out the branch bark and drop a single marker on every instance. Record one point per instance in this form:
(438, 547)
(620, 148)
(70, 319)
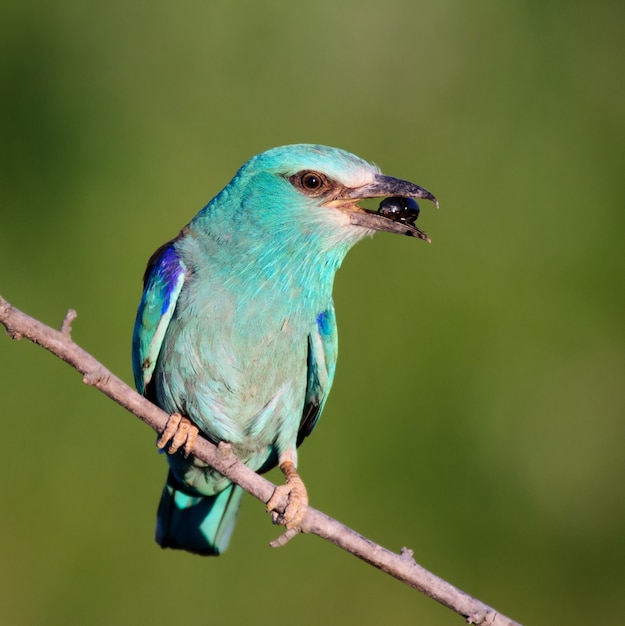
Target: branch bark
(402, 566)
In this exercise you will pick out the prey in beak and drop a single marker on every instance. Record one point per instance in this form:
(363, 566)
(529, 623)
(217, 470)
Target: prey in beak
(395, 214)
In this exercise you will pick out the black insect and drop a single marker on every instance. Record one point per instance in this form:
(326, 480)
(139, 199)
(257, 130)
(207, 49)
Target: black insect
(405, 210)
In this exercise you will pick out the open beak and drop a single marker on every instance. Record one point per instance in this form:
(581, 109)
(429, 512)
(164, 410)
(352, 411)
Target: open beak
(382, 187)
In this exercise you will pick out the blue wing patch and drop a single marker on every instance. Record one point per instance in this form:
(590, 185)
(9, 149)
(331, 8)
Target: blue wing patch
(163, 281)
(322, 353)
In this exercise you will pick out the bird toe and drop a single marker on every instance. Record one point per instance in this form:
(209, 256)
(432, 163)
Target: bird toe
(179, 432)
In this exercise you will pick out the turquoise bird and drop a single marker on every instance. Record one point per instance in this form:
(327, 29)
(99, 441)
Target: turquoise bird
(236, 336)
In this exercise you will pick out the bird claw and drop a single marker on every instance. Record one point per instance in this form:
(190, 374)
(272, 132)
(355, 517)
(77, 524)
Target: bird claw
(179, 432)
(296, 497)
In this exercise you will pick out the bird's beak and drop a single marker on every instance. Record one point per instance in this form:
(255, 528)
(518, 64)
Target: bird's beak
(382, 187)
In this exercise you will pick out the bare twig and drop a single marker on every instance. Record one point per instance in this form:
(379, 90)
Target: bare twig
(402, 566)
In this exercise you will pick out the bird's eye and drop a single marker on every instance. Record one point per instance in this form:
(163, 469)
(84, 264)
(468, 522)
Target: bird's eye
(311, 183)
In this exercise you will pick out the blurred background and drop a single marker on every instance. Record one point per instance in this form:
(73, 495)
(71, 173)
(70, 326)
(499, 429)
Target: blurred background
(477, 415)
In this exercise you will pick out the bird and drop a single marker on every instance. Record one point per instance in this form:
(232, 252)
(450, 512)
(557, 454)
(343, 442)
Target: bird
(236, 335)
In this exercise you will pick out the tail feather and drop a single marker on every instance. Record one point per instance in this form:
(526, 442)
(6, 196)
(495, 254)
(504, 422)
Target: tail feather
(199, 524)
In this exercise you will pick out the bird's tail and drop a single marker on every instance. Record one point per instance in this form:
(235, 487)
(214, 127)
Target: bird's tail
(198, 524)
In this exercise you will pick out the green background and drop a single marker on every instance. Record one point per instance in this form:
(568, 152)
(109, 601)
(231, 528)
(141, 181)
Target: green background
(478, 410)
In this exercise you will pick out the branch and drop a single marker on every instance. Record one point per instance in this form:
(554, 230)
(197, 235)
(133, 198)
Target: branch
(402, 566)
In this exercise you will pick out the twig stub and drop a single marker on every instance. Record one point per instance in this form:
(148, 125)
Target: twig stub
(66, 326)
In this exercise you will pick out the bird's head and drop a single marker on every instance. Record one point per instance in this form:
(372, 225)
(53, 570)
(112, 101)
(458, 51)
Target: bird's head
(301, 204)
(306, 182)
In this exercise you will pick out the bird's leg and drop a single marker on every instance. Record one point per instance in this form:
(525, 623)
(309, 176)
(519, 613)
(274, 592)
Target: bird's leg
(180, 431)
(294, 491)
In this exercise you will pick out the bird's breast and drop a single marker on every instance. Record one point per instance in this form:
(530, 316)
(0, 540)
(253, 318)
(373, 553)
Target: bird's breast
(236, 366)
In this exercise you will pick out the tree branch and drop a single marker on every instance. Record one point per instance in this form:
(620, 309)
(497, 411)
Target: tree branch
(402, 566)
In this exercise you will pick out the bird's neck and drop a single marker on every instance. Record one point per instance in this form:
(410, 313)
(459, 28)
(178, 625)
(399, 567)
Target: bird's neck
(291, 269)
(290, 252)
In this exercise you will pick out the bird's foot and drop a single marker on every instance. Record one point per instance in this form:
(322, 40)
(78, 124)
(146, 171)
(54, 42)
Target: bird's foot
(296, 496)
(179, 431)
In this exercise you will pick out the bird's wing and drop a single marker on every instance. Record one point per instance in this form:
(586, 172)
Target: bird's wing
(163, 280)
(322, 352)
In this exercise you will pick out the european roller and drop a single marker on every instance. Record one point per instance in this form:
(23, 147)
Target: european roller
(236, 335)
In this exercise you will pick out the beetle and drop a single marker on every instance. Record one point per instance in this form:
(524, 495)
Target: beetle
(399, 209)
